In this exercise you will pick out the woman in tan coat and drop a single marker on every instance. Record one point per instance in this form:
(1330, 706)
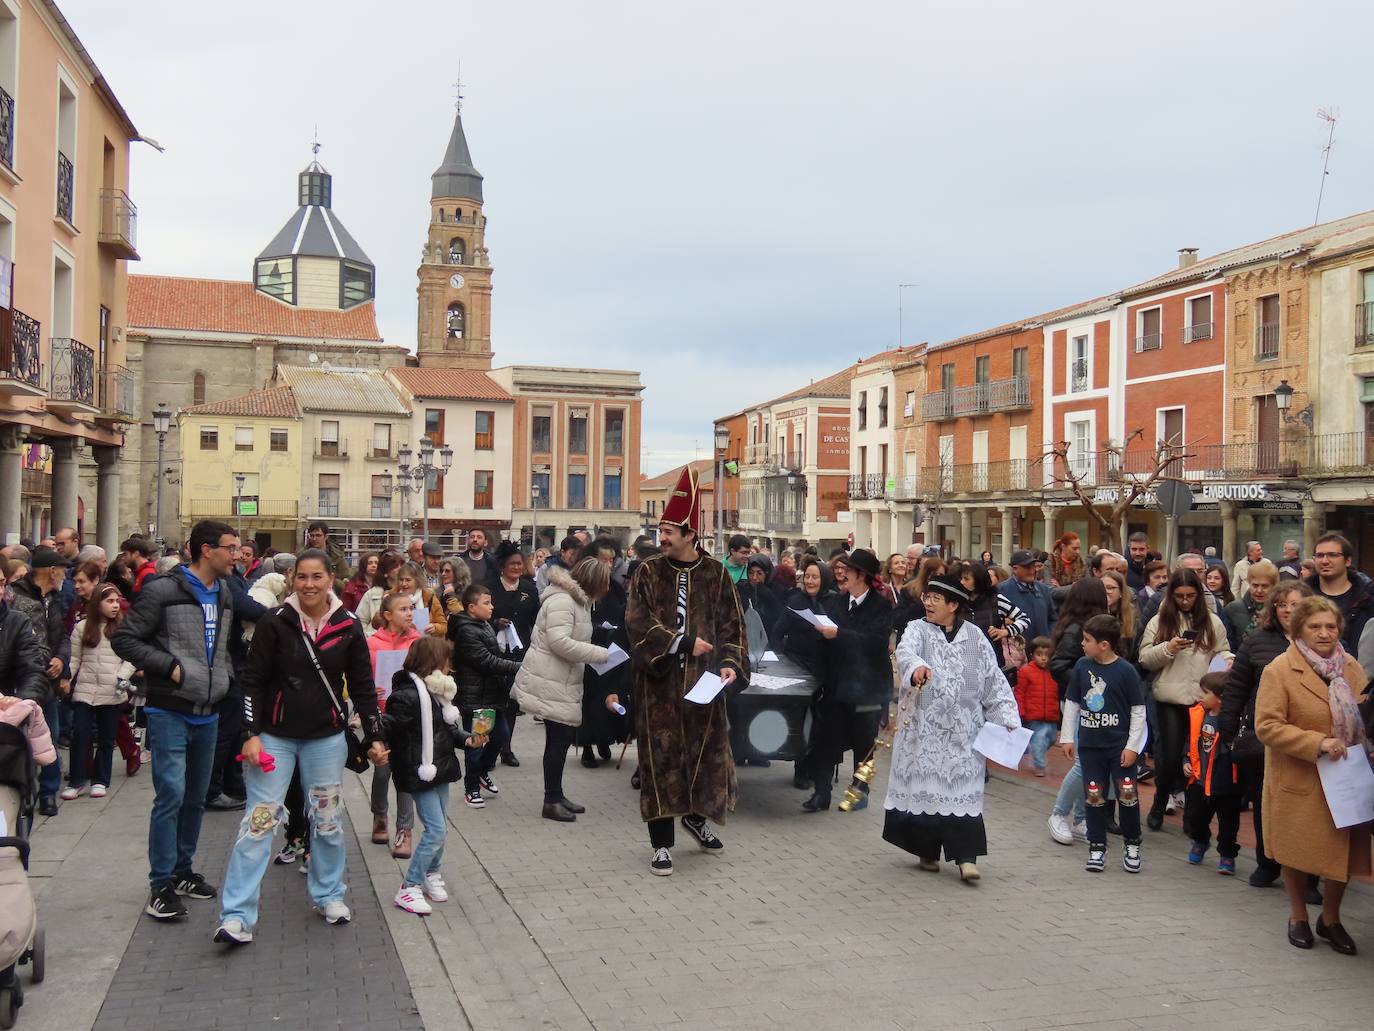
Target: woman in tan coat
(1306, 709)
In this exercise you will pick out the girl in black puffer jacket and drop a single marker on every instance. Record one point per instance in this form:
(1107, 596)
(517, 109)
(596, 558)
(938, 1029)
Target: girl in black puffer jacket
(425, 730)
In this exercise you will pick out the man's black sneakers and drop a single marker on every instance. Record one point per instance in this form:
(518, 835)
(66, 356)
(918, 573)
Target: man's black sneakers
(705, 838)
(662, 863)
(194, 886)
(163, 904)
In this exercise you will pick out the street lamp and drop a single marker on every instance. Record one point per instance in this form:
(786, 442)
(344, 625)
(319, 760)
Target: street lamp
(239, 480)
(536, 492)
(162, 422)
(722, 442)
(1283, 400)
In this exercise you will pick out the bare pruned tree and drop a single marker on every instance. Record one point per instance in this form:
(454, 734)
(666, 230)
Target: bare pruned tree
(1085, 475)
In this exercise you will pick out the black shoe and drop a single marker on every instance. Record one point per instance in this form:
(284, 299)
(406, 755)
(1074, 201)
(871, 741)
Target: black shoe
(225, 803)
(1146, 774)
(801, 783)
(709, 843)
(509, 759)
(816, 803)
(661, 864)
(1262, 878)
(47, 805)
(1300, 934)
(572, 807)
(1336, 937)
(1155, 820)
(556, 811)
(604, 751)
(634, 780)
(761, 763)
(163, 904)
(194, 886)
(589, 760)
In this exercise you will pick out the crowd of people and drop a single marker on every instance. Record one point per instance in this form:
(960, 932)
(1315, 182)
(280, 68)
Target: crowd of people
(253, 681)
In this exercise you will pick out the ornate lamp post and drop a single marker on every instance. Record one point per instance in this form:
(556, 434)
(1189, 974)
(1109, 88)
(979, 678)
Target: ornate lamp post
(162, 422)
(722, 442)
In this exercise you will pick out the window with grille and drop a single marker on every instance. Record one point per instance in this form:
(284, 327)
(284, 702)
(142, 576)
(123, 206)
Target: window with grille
(1078, 366)
(329, 437)
(1199, 317)
(381, 440)
(1148, 336)
(329, 494)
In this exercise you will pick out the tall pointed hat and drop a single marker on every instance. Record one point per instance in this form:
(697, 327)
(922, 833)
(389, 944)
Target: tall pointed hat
(683, 507)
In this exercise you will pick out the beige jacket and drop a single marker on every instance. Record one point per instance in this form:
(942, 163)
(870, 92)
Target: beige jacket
(94, 670)
(549, 684)
(1177, 676)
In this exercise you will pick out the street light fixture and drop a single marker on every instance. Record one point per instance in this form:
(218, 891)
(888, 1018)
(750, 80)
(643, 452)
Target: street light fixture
(1283, 401)
(239, 480)
(162, 422)
(722, 442)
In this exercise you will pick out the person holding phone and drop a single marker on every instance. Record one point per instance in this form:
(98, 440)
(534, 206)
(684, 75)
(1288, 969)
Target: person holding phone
(1177, 647)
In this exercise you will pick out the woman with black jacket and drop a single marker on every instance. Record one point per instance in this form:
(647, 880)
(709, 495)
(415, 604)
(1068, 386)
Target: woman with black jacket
(798, 639)
(293, 683)
(988, 610)
(514, 602)
(602, 727)
(1260, 647)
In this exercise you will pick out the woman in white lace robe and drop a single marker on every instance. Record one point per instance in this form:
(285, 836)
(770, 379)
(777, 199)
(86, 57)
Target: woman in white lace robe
(951, 686)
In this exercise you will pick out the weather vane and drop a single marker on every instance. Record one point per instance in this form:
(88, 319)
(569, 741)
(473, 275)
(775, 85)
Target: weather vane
(458, 90)
(315, 147)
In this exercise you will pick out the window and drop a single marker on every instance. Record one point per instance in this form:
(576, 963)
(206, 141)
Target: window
(278, 440)
(1267, 328)
(381, 440)
(541, 426)
(946, 460)
(456, 315)
(882, 407)
(485, 423)
(66, 150)
(9, 81)
(209, 438)
(577, 432)
(615, 431)
(198, 389)
(610, 495)
(909, 406)
(1080, 447)
(1020, 363)
(381, 497)
(1199, 318)
(539, 490)
(243, 438)
(1170, 427)
(314, 189)
(982, 370)
(456, 251)
(482, 481)
(863, 409)
(577, 490)
(356, 285)
(434, 424)
(947, 378)
(1364, 313)
(329, 438)
(329, 494)
(1148, 336)
(1078, 365)
(276, 277)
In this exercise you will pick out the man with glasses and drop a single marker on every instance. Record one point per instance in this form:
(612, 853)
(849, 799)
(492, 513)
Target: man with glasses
(1351, 590)
(737, 560)
(178, 633)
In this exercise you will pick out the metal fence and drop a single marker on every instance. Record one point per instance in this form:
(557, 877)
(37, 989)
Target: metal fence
(73, 372)
(998, 395)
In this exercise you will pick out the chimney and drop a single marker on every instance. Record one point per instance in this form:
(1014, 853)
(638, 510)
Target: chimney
(1187, 256)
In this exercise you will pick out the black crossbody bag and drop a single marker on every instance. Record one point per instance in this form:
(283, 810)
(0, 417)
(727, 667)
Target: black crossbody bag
(357, 760)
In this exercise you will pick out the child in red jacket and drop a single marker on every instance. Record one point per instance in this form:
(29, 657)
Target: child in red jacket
(1037, 699)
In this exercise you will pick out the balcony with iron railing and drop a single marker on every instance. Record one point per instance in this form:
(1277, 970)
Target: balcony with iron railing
(73, 379)
(1266, 342)
(1364, 324)
(116, 400)
(118, 224)
(998, 395)
(982, 477)
(66, 182)
(36, 483)
(1201, 331)
(875, 487)
(1149, 342)
(755, 454)
(21, 366)
(7, 129)
(1078, 376)
(786, 519)
(223, 507)
(381, 451)
(326, 448)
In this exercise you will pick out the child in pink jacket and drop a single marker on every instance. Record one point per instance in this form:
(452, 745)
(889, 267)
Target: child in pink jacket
(22, 712)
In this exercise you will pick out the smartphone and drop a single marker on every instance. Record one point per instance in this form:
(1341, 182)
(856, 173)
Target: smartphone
(483, 720)
(1189, 635)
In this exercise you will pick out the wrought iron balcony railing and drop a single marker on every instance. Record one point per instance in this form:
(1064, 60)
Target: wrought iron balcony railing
(7, 129)
(1149, 342)
(119, 224)
(66, 176)
(982, 477)
(117, 392)
(998, 395)
(19, 348)
(330, 448)
(1266, 341)
(1202, 331)
(1364, 324)
(73, 372)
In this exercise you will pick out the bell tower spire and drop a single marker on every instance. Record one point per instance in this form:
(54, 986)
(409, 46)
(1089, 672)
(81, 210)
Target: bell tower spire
(454, 316)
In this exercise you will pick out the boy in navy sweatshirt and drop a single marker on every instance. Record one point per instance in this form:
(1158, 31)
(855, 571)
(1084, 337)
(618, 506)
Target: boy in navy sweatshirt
(1106, 703)
(1214, 787)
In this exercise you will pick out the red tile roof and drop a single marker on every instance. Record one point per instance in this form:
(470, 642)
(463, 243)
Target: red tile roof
(448, 384)
(703, 467)
(231, 306)
(272, 403)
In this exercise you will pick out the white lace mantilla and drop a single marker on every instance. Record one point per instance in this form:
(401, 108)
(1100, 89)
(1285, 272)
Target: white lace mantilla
(934, 767)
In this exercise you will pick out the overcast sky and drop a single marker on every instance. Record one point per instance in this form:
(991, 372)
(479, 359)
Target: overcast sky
(725, 195)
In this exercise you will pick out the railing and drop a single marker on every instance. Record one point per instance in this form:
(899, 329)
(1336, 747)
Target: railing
(459, 220)
(224, 507)
(871, 485)
(119, 222)
(379, 452)
(330, 449)
(6, 129)
(1149, 342)
(1078, 376)
(785, 520)
(73, 372)
(328, 506)
(19, 348)
(980, 477)
(117, 392)
(755, 454)
(904, 489)
(35, 481)
(65, 183)
(540, 444)
(1364, 324)
(1266, 341)
(1202, 331)
(996, 395)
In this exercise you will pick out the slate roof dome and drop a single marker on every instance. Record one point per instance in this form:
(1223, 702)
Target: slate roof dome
(456, 178)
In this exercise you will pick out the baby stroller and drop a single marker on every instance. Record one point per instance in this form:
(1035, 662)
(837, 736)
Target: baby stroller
(21, 939)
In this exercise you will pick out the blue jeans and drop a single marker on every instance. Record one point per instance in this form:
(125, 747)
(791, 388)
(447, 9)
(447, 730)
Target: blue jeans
(1070, 797)
(183, 755)
(96, 723)
(1044, 733)
(50, 776)
(321, 762)
(478, 762)
(431, 806)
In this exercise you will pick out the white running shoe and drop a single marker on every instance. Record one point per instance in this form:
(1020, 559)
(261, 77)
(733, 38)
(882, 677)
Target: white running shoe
(69, 793)
(1175, 802)
(98, 790)
(1060, 830)
(334, 912)
(232, 932)
(1080, 830)
(435, 888)
(411, 898)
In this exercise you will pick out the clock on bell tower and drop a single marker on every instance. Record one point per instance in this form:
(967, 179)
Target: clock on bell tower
(454, 327)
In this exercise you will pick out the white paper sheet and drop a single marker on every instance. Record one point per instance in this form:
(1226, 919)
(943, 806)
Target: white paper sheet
(606, 624)
(815, 619)
(770, 683)
(388, 663)
(705, 689)
(1349, 787)
(4, 831)
(615, 658)
(1004, 747)
(1219, 664)
(769, 657)
(421, 618)
(508, 639)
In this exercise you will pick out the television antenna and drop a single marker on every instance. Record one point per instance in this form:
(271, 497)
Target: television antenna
(1329, 116)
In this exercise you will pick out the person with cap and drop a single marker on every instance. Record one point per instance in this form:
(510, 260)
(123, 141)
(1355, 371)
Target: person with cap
(858, 676)
(1031, 595)
(514, 603)
(684, 620)
(38, 595)
(951, 685)
(430, 554)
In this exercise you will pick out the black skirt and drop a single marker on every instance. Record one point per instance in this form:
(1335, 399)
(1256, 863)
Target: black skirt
(963, 838)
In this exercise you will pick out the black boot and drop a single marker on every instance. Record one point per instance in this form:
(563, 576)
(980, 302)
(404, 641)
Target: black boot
(817, 802)
(604, 751)
(1156, 818)
(589, 760)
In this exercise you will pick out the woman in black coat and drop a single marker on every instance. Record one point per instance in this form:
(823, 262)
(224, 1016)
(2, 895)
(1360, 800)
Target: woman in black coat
(797, 638)
(601, 728)
(1260, 647)
(514, 602)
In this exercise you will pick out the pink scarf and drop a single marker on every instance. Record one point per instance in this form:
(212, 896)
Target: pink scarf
(1346, 725)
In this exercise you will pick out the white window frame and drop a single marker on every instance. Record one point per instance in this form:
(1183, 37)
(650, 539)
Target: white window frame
(9, 176)
(1072, 340)
(1088, 417)
(240, 431)
(1188, 322)
(1140, 328)
(1159, 423)
(69, 81)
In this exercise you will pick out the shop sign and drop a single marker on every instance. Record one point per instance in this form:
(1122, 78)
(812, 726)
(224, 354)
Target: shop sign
(1236, 492)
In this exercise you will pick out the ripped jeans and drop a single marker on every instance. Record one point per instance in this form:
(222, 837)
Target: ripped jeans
(321, 762)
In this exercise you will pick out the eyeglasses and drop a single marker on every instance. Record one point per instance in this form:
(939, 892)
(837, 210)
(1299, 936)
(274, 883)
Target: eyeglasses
(1185, 595)
(1329, 554)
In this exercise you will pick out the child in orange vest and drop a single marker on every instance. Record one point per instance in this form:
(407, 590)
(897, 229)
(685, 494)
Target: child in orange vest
(1214, 787)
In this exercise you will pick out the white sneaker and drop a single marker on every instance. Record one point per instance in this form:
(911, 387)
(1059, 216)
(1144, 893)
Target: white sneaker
(1175, 802)
(412, 899)
(435, 888)
(98, 790)
(334, 912)
(69, 793)
(1080, 830)
(1060, 830)
(232, 932)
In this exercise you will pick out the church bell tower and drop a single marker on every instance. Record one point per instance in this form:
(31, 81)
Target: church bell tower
(454, 330)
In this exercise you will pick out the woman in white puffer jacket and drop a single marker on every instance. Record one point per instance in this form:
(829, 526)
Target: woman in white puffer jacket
(549, 683)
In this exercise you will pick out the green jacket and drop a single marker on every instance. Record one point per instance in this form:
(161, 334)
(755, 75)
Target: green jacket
(736, 572)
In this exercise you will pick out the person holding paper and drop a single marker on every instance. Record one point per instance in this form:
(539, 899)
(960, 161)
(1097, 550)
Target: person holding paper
(514, 604)
(684, 620)
(388, 647)
(602, 726)
(935, 791)
(1306, 713)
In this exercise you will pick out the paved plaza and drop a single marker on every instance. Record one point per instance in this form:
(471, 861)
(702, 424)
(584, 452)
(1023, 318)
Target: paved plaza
(807, 922)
